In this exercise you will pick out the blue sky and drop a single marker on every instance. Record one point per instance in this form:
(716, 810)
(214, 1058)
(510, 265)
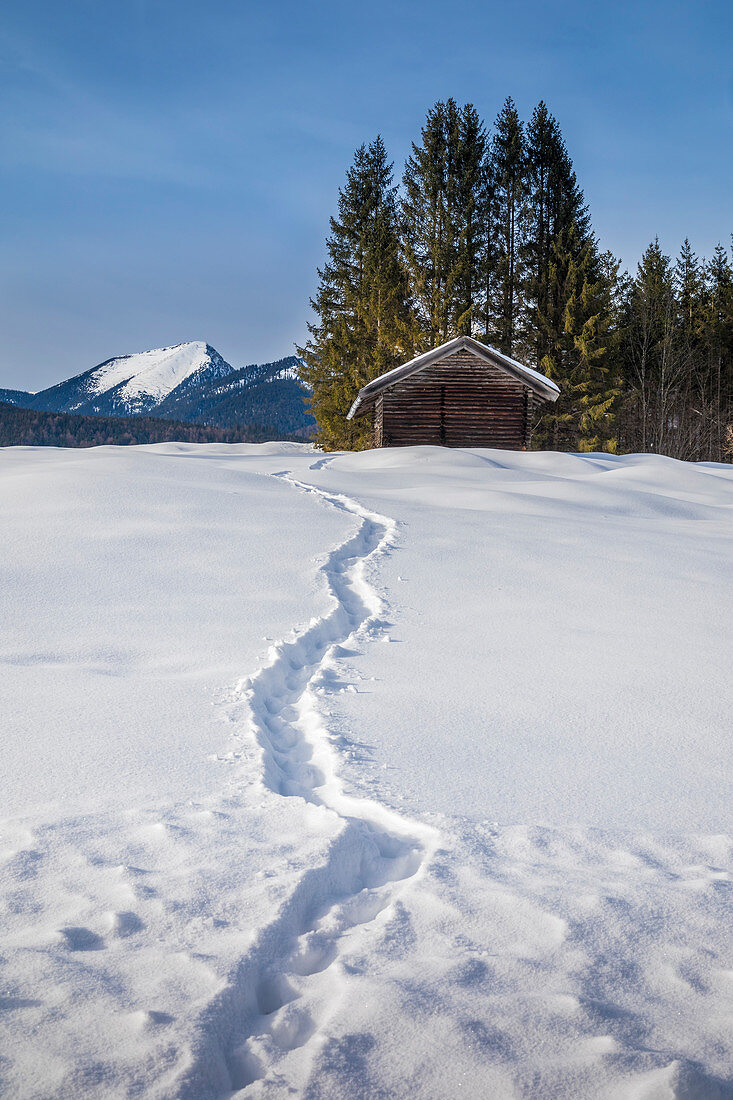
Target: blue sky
(168, 168)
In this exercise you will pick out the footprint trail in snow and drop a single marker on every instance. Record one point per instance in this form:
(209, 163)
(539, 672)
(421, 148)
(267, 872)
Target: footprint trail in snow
(292, 979)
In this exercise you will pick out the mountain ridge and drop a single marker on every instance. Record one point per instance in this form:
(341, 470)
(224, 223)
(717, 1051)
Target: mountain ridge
(15, 397)
(134, 384)
(189, 382)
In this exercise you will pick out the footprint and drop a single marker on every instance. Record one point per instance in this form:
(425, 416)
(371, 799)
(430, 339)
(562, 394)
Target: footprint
(272, 993)
(146, 1019)
(10, 1004)
(281, 698)
(361, 909)
(23, 864)
(315, 952)
(292, 1027)
(124, 924)
(82, 939)
(244, 1067)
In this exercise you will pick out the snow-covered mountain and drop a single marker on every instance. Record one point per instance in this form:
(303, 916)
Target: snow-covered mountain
(261, 394)
(16, 397)
(190, 382)
(130, 385)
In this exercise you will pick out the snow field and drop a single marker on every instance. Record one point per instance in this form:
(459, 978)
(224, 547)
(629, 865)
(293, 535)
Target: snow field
(563, 622)
(299, 989)
(135, 597)
(469, 833)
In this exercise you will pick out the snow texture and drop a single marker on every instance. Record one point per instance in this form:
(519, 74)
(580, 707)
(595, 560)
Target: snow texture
(391, 774)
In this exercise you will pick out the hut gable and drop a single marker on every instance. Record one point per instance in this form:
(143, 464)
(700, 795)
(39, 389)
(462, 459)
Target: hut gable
(461, 394)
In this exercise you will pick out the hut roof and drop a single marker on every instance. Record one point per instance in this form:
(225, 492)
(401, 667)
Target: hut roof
(544, 387)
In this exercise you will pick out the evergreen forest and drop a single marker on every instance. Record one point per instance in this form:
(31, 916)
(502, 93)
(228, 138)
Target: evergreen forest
(20, 427)
(488, 234)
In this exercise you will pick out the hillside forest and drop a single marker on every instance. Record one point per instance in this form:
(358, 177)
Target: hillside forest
(20, 427)
(488, 234)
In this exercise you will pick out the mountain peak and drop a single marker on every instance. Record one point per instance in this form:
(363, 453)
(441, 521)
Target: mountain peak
(149, 376)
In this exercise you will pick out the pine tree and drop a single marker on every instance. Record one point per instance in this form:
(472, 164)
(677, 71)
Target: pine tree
(677, 355)
(651, 373)
(693, 414)
(581, 343)
(508, 188)
(717, 335)
(364, 324)
(442, 216)
(472, 212)
(554, 205)
(496, 239)
(542, 142)
(690, 286)
(593, 383)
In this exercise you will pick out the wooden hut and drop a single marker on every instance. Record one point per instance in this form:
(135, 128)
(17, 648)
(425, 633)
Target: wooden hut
(462, 394)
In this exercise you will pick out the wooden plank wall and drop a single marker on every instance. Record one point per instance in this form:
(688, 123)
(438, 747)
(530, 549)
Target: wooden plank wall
(378, 422)
(460, 401)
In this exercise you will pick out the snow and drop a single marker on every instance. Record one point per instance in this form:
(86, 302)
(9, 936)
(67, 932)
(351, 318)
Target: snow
(399, 773)
(588, 582)
(152, 374)
(537, 375)
(109, 594)
(290, 373)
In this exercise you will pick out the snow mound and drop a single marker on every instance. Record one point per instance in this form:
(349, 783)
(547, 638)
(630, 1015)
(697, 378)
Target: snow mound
(405, 458)
(269, 449)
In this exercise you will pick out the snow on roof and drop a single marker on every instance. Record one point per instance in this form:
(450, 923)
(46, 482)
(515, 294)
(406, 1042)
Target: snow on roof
(542, 385)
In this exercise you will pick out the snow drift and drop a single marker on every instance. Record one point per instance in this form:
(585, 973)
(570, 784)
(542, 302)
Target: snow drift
(389, 774)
